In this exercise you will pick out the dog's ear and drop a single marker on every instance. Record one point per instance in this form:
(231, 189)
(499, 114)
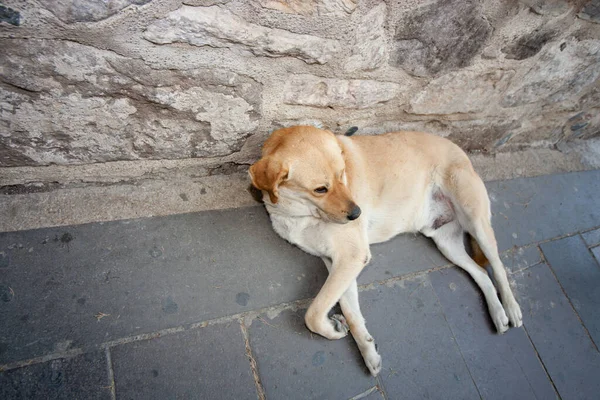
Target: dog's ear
(267, 174)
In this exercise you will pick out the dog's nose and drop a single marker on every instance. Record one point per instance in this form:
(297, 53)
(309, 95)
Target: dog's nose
(354, 213)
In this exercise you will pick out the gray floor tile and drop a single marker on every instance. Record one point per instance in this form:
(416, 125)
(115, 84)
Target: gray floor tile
(206, 363)
(295, 364)
(503, 366)
(420, 356)
(147, 274)
(80, 377)
(579, 275)
(404, 254)
(559, 338)
(156, 273)
(592, 238)
(530, 210)
(596, 252)
(519, 258)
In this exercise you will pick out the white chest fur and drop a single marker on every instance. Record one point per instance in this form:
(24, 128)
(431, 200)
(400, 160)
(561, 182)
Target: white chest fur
(305, 232)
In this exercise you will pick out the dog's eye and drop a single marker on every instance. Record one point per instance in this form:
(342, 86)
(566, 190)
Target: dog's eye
(321, 189)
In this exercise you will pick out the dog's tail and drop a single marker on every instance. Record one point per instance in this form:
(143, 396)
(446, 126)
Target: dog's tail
(478, 255)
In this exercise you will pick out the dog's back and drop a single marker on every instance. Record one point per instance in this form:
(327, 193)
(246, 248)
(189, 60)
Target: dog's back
(393, 176)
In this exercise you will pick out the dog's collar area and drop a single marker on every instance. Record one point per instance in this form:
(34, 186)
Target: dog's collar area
(351, 131)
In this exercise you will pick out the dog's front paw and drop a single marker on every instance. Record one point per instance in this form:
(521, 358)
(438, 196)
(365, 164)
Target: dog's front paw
(340, 324)
(373, 362)
(332, 328)
(513, 311)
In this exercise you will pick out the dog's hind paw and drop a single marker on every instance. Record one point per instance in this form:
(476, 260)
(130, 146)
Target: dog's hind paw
(500, 319)
(340, 324)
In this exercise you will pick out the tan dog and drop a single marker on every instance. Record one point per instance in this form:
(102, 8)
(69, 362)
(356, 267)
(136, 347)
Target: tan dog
(333, 196)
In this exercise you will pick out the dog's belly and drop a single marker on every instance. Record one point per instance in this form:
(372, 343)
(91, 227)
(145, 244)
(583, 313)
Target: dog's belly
(385, 224)
(432, 212)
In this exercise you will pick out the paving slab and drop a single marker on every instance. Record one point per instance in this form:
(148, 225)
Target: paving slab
(143, 275)
(562, 343)
(81, 377)
(150, 274)
(530, 210)
(579, 275)
(295, 364)
(420, 356)
(205, 363)
(404, 254)
(519, 258)
(112, 280)
(596, 252)
(592, 238)
(503, 366)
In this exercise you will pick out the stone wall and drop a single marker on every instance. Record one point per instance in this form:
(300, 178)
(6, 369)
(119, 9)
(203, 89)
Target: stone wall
(88, 81)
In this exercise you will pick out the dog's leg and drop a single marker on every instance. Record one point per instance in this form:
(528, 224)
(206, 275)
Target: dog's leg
(449, 239)
(473, 206)
(344, 271)
(484, 234)
(358, 328)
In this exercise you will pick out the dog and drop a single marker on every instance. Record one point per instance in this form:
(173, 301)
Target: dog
(334, 195)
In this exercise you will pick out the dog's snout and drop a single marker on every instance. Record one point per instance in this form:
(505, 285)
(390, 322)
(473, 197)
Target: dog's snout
(354, 213)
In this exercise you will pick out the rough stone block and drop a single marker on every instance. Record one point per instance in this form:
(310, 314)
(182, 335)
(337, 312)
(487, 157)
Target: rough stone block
(313, 90)
(528, 45)
(461, 92)
(591, 11)
(87, 10)
(562, 71)
(369, 50)
(439, 37)
(218, 27)
(67, 103)
(548, 7)
(10, 16)
(337, 8)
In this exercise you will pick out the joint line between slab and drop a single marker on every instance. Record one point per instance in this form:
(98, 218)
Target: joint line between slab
(541, 362)
(260, 391)
(381, 387)
(41, 359)
(111, 374)
(364, 394)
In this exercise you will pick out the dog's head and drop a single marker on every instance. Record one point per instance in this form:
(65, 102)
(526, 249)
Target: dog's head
(304, 168)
